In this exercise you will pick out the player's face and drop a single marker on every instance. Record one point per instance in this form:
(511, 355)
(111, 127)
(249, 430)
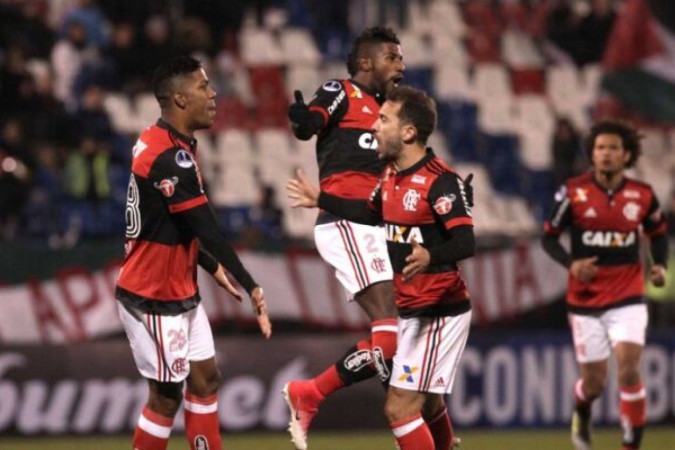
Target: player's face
(608, 155)
(200, 100)
(387, 130)
(388, 66)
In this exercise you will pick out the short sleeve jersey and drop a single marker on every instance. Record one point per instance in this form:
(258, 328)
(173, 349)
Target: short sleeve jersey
(424, 203)
(608, 225)
(160, 264)
(348, 164)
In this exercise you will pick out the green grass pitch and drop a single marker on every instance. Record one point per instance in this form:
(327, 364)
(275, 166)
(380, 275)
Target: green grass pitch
(656, 438)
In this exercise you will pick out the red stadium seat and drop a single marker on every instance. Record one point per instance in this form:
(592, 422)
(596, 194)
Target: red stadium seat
(527, 81)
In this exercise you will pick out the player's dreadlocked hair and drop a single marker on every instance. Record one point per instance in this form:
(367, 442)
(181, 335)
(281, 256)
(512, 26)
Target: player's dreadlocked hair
(630, 137)
(167, 72)
(373, 35)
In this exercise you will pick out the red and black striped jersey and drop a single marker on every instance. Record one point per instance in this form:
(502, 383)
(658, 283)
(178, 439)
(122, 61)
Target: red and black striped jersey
(345, 148)
(424, 202)
(606, 224)
(160, 263)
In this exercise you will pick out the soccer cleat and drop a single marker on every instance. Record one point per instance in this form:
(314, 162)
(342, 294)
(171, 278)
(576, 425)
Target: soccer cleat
(581, 432)
(303, 408)
(455, 443)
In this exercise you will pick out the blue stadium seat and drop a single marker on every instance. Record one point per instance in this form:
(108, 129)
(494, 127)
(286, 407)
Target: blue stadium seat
(500, 157)
(540, 189)
(420, 78)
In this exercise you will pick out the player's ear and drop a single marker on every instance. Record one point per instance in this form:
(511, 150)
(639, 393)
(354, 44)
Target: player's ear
(408, 134)
(180, 100)
(365, 64)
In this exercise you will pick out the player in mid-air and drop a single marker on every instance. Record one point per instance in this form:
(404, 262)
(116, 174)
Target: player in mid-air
(341, 114)
(170, 229)
(605, 212)
(429, 229)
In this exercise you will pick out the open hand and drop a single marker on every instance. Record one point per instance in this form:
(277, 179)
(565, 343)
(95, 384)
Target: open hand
(302, 190)
(260, 310)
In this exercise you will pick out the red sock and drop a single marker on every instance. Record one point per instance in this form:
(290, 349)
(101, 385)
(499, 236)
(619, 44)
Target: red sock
(201, 422)
(412, 433)
(152, 431)
(384, 345)
(328, 381)
(441, 429)
(633, 410)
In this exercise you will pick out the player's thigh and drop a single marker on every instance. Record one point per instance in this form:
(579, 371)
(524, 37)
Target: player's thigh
(200, 337)
(627, 324)
(357, 252)
(428, 353)
(591, 341)
(159, 343)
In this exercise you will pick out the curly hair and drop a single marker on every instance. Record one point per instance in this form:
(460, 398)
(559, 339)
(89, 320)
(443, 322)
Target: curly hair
(630, 138)
(370, 36)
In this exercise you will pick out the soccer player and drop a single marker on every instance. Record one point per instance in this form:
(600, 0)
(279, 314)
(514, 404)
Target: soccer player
(605, 211)
(429, 229)
(341, 114)
(170, 230)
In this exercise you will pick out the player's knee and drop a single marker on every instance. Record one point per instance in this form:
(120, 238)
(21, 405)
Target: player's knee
(395, 408)
(205, 384)
(628, 376)
(594, 385)
(165, 399)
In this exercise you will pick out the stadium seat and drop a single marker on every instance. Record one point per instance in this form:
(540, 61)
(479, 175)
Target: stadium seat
(118, 107)
(298, 47)
(519, 51)
(535, 149)
(259, 47)
(234, 145)
(452, 83)
(527, 81)
(491, 82)
(306, 79)
(147, 110)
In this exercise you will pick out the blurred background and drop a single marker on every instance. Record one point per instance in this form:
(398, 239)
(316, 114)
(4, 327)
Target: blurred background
(517, 84)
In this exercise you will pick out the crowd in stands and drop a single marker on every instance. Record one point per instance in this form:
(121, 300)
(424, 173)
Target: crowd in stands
(75, 89)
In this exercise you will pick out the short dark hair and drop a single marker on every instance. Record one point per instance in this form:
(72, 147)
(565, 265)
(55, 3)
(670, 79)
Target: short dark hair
(417, 109)
(167, 72)
(372, 35)
(630, 138)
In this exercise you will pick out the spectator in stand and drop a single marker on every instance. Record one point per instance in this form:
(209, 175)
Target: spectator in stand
(87, 170)
(593, 32)
(566, 148)
(88, 14)
(68, 57)
(155, 45)
(15, 178)
(123, 59)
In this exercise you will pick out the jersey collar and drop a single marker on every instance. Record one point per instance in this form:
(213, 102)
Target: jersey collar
(191, 142)
(370, 91)
(419, 164)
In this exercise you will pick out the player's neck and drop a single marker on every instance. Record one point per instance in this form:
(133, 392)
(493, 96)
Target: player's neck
(178, 124)
(609, 180)
(409, 156)
(364, 79)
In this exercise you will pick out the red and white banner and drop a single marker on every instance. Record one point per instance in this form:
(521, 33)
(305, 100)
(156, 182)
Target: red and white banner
(78, 304)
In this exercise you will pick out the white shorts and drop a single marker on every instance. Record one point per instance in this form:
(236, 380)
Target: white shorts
(595, 335)
(357, 252)
(428, 352)
(163, 346)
